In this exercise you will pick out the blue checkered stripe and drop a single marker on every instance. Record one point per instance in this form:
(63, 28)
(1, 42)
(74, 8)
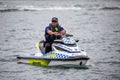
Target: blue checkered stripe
(58, 55)
(68, 41)
(62, 56)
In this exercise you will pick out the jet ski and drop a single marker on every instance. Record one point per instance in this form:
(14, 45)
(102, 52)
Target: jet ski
(65, 51)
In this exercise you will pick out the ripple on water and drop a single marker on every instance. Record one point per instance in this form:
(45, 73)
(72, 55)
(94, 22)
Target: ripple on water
(8, 58)
(114, 44)
(13, 30)
(1, 3)
(116, 31)
(118, 51)
(26, 29)
(115, 76)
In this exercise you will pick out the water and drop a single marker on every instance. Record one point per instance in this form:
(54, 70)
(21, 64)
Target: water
(96, 23)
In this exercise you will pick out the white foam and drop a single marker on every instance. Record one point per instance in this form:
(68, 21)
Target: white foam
(47, 8)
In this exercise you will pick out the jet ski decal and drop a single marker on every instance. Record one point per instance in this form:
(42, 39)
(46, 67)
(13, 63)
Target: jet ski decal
(56, 55)
(68, 41)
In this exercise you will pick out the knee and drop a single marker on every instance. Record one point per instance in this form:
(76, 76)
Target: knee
(47, 44)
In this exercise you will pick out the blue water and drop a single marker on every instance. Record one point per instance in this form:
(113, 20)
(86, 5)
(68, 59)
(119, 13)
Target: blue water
(96, 23)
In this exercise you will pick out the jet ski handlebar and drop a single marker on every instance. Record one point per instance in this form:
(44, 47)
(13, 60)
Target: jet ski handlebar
(69, 35)
(59, 36)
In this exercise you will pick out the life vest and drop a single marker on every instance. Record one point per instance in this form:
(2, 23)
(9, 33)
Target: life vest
(51, 38)
(56, 29)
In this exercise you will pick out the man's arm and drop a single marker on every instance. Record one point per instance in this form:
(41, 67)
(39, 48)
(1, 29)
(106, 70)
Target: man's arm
(52, 33)
(49, 31)
(63, 32)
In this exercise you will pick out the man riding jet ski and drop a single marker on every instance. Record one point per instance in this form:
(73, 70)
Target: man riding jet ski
(58, 48)
(51, 33)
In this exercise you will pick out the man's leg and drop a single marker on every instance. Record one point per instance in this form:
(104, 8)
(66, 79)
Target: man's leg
(48, 47)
